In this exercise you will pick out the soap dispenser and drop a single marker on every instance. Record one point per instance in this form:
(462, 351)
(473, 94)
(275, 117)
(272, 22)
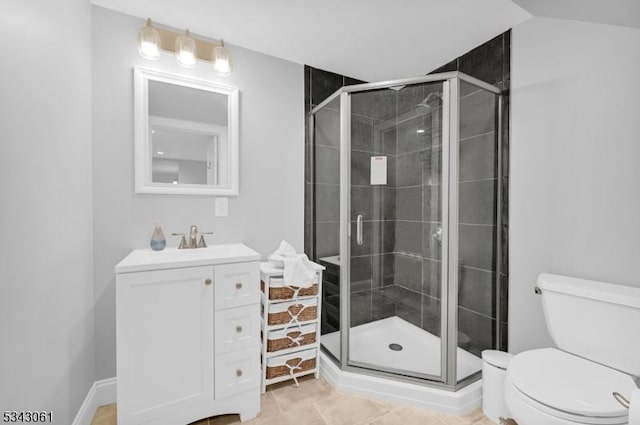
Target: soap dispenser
(158, 242)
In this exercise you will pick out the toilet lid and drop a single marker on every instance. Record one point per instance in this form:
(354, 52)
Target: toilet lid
(569, 383)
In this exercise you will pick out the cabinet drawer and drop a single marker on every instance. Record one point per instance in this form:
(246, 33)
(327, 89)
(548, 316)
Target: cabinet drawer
(237, 328)
(237, 372)
(237, 285)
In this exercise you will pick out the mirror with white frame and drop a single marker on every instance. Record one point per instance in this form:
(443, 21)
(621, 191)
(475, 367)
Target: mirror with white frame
(186, 139)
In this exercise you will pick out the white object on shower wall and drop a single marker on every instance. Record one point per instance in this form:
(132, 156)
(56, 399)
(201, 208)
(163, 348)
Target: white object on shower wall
(378, 170)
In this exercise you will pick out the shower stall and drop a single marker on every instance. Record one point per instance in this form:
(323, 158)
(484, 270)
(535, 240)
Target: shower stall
(406, 191)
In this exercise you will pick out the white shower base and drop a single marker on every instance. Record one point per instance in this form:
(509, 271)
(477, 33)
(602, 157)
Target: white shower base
(369, 344)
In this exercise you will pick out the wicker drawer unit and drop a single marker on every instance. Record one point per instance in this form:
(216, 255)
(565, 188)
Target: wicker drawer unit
(295, 336)
(290, 326)
(292, 364)
(278, 291)
(292, 312)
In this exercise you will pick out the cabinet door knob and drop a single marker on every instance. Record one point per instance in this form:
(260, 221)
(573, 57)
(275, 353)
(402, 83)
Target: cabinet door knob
(239, 285)
(239, 373)
(207, 281)
(238, 328)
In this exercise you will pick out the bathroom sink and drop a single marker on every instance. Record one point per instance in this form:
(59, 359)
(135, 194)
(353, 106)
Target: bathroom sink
(147, 259)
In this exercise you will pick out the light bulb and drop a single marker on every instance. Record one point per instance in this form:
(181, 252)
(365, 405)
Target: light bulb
(186, 53)
(149, 42)
(186, 59)
(149, 50)
(221, 60)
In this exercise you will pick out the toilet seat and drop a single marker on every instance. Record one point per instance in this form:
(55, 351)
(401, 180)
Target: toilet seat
(569, 387)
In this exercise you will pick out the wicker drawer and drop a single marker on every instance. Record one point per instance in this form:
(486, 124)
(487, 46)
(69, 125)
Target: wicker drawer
(292, 312)
(279, 291)
(295, 336)
(292, 363)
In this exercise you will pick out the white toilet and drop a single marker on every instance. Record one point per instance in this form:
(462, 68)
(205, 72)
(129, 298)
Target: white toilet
(596, 327)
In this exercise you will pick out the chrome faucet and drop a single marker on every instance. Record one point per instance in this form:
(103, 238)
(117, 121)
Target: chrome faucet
(193, 239)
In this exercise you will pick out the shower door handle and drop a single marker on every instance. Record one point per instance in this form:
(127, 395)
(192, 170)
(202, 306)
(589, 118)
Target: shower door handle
(359, 229)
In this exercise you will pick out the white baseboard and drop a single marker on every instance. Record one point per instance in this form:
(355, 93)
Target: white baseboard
(458, 402)
(101, 392)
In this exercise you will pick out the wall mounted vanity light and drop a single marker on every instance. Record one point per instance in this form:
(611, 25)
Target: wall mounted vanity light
(186, 48)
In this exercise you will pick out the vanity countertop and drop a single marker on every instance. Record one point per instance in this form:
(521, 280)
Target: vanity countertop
(146, 259)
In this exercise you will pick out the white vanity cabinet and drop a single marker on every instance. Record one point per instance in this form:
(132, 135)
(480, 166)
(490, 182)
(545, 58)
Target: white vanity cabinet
(188, 335)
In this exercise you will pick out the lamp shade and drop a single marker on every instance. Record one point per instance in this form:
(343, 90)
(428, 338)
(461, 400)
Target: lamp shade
(186, 52)
(149, 42)
(221, 60)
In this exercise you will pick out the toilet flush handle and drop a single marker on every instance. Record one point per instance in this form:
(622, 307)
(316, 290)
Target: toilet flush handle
(621, 399)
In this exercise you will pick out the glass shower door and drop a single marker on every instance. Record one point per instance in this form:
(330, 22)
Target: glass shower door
(395, 252)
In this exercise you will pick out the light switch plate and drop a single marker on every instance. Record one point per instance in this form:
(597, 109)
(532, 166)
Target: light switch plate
(222, 207)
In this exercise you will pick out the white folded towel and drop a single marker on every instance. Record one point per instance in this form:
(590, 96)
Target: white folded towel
(298, 270)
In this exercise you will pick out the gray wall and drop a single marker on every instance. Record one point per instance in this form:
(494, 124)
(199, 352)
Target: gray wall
(46, 290)
(575, 199)
(270, 205)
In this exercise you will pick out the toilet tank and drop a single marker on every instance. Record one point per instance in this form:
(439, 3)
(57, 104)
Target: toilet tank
(595, 320)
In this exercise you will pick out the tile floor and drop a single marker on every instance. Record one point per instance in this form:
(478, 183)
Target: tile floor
(316, 403)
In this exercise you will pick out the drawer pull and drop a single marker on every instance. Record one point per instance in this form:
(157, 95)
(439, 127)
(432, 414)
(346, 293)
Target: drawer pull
(239, 285)
(239, 373)
(207, 281)
(238, 329)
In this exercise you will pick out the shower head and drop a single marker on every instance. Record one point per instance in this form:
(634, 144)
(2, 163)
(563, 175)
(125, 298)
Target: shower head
(423, 108)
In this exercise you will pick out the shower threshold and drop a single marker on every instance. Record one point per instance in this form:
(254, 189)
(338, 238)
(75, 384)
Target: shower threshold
(393, 343)
(420, 352)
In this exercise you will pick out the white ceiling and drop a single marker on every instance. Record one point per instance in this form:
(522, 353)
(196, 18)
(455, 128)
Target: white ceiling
(624, 13)
(367, 39)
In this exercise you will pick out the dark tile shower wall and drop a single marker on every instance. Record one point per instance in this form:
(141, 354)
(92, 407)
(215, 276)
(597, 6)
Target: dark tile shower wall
(481, 301)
